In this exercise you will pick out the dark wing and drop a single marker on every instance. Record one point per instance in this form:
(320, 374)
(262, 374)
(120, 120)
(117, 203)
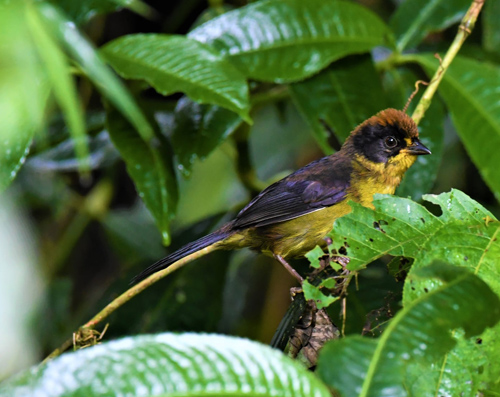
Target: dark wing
(320, 184)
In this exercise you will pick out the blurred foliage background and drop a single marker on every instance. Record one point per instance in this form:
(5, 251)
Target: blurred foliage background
(74, 230)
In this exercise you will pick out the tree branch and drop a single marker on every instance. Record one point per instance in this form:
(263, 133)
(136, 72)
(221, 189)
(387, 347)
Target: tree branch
(464, 30)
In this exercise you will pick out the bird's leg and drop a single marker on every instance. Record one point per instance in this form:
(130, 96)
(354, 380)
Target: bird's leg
(290, 269)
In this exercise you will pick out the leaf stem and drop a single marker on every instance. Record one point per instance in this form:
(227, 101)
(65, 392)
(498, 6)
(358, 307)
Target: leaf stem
(464, 30)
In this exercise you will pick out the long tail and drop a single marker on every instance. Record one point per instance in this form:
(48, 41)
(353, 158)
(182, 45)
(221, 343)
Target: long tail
(186, 254)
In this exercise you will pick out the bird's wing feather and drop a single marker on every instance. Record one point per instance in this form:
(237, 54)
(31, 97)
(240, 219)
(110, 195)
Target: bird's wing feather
(321, 184)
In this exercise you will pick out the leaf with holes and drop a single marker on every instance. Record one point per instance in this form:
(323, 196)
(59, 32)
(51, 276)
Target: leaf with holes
(419, 333)
(178, 64)
(170, 365)
(401, 227)
(284, 41)
(465, 235)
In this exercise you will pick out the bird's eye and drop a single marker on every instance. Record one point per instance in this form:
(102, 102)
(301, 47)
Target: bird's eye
(391, 142)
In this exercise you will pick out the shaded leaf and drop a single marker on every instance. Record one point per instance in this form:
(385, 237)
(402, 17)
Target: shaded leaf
(342, 96)
(82, 11)
(284, 41)
(469, 90)
(62, 156)
(133, 234)
(150, 168)
(198, 130)
(415, 19)
(88, 59)
(178, 64)
(375, 367)
(170, 365)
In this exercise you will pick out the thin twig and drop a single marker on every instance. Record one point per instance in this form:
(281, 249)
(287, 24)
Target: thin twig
(464, 31)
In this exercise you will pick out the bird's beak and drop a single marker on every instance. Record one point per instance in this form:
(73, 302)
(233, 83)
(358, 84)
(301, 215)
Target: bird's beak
(417, 148)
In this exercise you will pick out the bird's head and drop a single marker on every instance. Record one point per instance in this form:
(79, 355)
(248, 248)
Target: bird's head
(387, 140)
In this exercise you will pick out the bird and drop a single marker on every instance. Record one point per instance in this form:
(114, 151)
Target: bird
(293, 215)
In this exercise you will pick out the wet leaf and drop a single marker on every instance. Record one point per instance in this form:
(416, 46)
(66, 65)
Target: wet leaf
(286, 41)
(170, 365)
(172, 63)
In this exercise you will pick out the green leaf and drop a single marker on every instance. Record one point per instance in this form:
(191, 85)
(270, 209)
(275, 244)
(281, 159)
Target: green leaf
(198, 130)
(284, 41)
(343, 95)
(62, 84)
(178, 64)
(314, 255)
(475, 110)
(312, 292)
(170, 365)
(491, 26)
(401, 227)
(89, 61)
(150, 168)
(465, 235)
(24, 91)
(415, 19)
(419, 332)
(82, 11)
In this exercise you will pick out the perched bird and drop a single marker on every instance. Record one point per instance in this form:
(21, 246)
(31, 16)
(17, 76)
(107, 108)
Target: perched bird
(293, 215)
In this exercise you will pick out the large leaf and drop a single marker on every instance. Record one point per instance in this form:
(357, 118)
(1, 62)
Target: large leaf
(151, 169)
(477, 248)
(82, 11)
(23, 90)
(274, 40)
(401, 227)
(88, 59)
(178, 64)
(468, 90)
(342, 96)
(464, 235)
(415, 19)
(170, 365)
(199, 129)
(419, 332)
